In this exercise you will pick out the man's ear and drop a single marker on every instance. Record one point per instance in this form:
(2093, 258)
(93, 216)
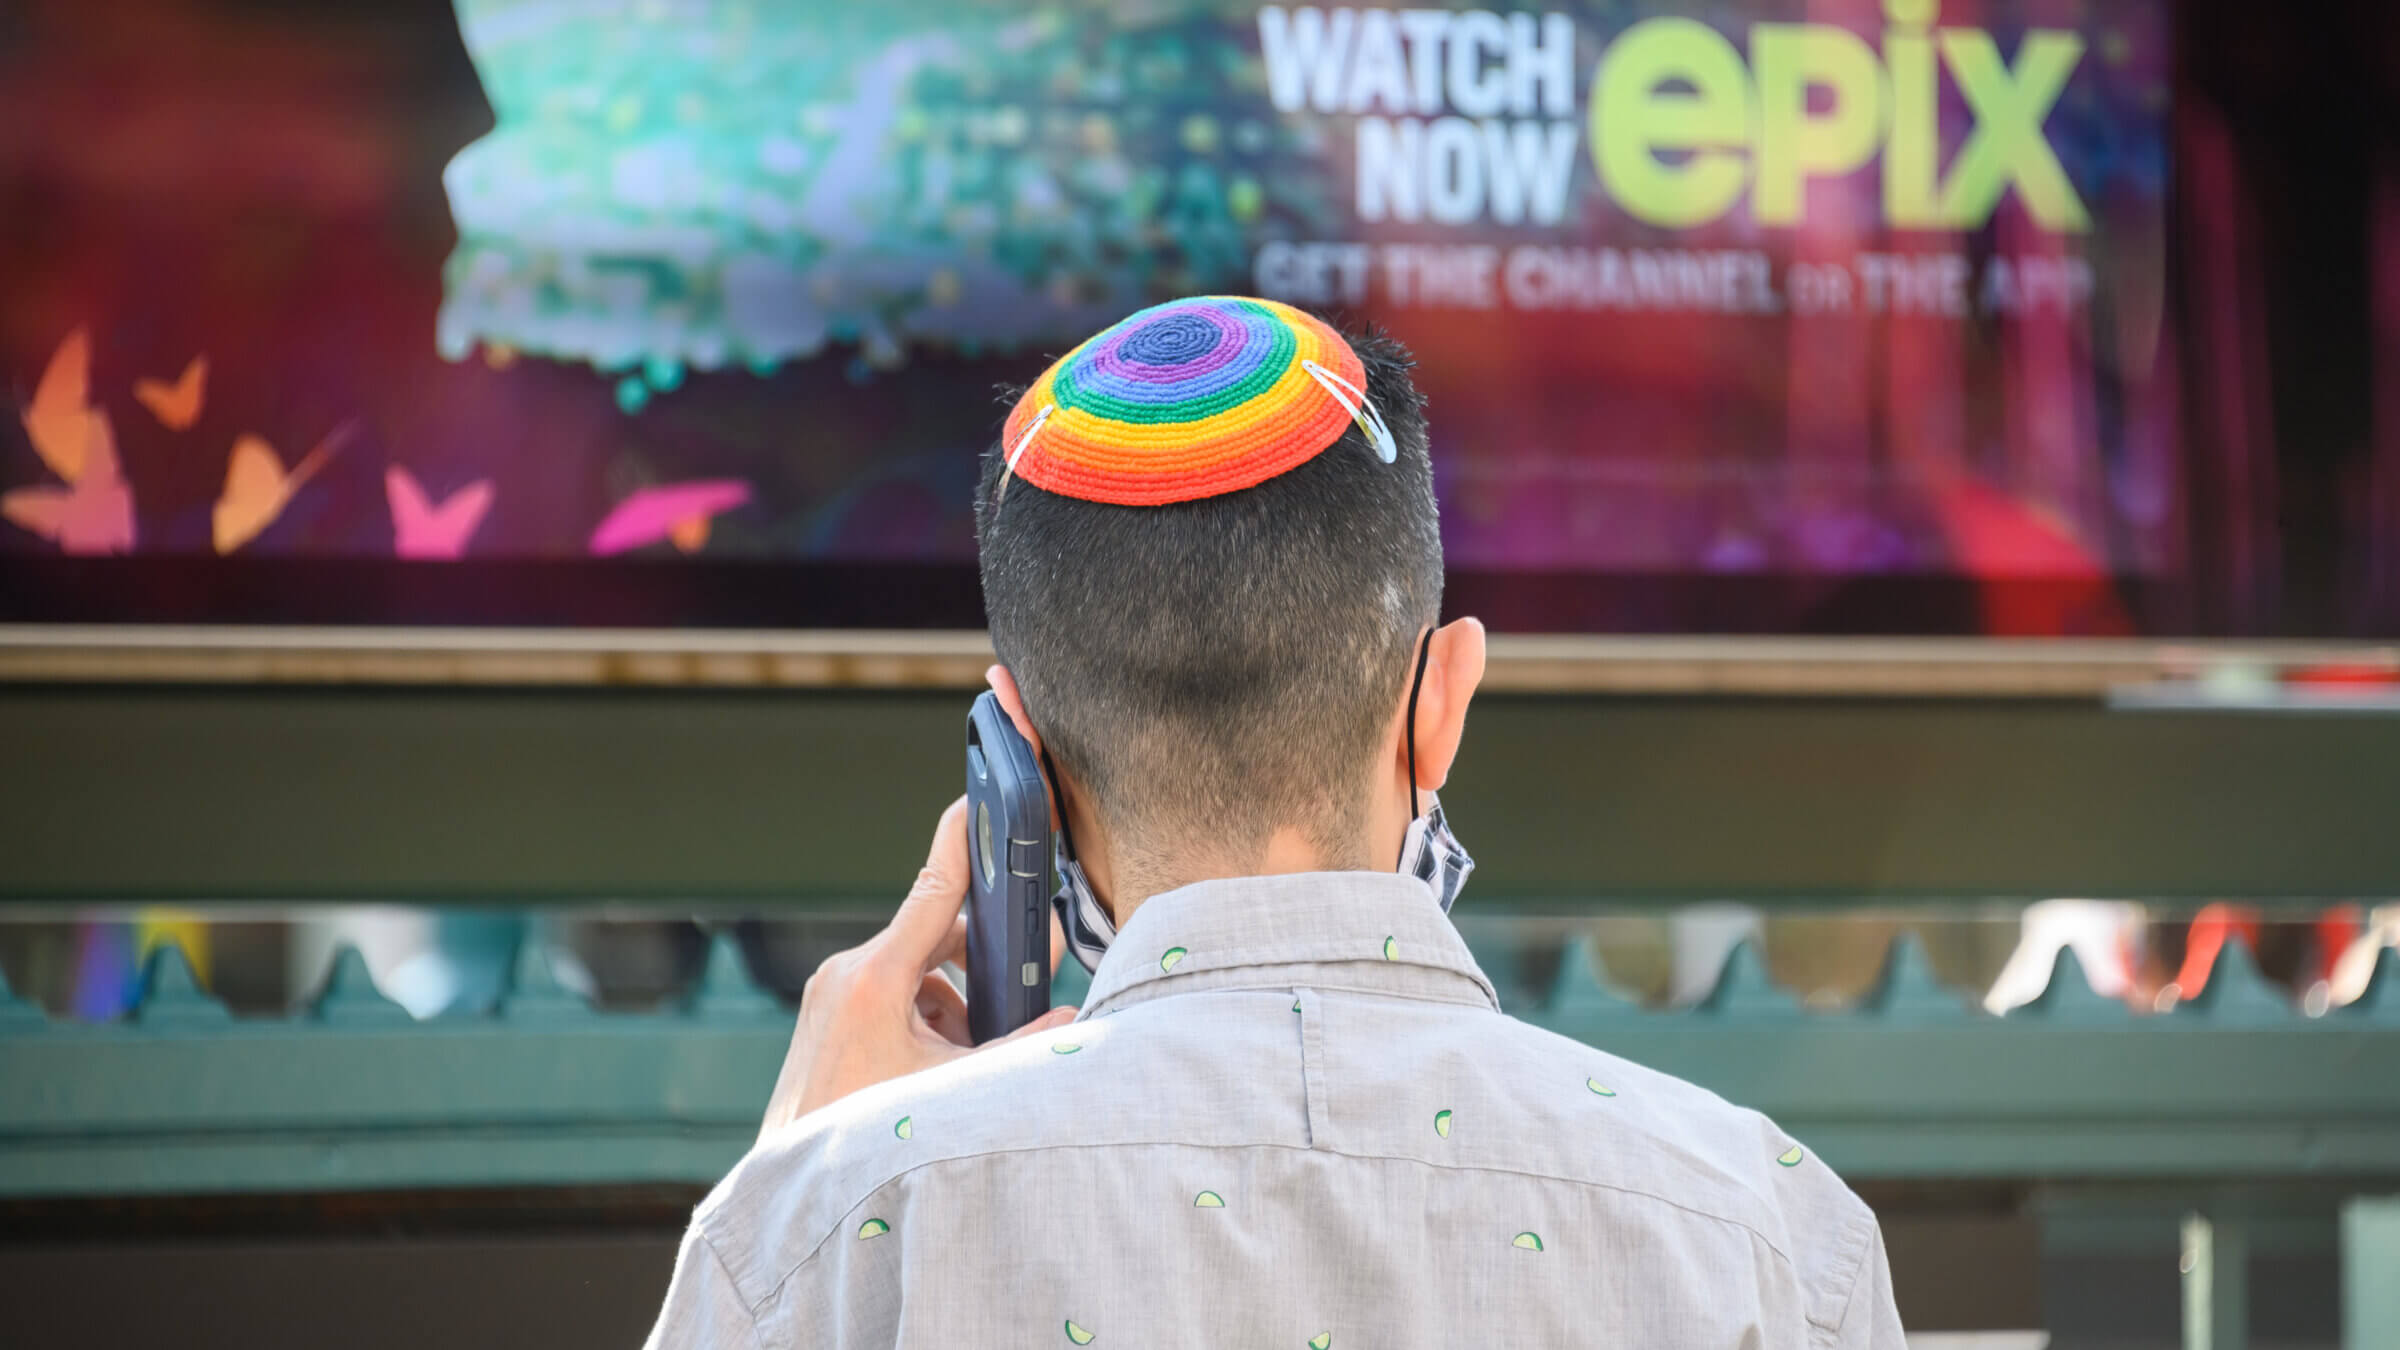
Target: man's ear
(1005, 686)
(1453, 669)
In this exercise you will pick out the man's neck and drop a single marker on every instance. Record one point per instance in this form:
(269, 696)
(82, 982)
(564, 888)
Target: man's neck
(1135, 878)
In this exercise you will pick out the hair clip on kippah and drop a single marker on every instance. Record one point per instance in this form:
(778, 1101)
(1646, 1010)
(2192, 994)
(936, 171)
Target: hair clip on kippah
(1009, 469)
(1362, 412)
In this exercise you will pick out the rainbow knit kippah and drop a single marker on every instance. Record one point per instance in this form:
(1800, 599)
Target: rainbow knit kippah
(1184, 400)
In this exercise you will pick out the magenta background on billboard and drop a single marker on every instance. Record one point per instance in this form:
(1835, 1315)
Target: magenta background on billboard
(1753, 290)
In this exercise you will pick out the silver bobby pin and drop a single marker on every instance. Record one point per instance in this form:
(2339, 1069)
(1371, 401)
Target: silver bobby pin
(1362, 411)
(1019, 453)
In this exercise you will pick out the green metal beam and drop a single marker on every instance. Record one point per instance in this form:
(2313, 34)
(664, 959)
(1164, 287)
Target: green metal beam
(429, 794)
(355, 1096)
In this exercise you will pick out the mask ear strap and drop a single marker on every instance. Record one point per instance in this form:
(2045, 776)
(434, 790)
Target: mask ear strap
(1354, 402)
(1424, 650)
(1058, 790)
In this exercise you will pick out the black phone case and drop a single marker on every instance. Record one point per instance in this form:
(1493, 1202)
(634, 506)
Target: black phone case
(1008, 867)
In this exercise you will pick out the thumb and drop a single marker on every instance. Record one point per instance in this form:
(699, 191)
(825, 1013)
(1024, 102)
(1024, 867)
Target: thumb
(1049, 1021)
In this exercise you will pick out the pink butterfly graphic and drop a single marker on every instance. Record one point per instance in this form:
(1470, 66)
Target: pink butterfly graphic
(94, 512)
(678, 512)
(423, 530)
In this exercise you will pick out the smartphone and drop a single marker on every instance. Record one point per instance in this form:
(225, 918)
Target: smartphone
(1008, 885)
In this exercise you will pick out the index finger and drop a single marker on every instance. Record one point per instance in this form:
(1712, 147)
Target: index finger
(920, 929)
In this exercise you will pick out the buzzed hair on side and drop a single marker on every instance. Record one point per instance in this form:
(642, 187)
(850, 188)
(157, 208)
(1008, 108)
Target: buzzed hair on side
(1212, 670)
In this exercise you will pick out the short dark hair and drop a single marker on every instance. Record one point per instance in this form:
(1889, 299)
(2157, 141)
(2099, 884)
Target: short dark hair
(1228, 663)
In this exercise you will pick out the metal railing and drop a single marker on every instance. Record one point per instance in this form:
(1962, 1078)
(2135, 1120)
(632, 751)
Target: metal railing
(1913, 1082)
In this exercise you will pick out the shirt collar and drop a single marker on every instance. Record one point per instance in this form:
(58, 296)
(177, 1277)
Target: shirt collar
(1376, 931)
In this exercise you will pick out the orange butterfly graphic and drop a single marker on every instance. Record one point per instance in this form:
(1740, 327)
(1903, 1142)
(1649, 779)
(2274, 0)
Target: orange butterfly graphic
(59, 420)
(257, 487)
(94, 512)
(423, 530)
(176, 405)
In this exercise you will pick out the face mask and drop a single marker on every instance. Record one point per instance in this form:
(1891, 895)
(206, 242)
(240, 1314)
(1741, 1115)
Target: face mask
(1429, 852)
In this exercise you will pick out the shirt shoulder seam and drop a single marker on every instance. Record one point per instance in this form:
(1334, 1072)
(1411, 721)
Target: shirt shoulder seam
(834, 1229)
(733, 1282)
(1857, 1240)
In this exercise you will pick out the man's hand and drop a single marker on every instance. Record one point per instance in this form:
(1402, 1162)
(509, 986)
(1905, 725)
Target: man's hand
(884, 1008)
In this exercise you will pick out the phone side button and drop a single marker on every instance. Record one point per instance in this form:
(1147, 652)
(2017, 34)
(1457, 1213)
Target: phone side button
(1032, 973)
(1025, 857)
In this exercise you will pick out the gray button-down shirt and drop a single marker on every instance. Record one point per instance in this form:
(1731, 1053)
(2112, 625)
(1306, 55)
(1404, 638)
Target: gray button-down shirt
(1291, 1114)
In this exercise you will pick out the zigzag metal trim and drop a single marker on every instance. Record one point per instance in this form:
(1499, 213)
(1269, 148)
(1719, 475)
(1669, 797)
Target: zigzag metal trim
(1907, 992)
(548, 1091)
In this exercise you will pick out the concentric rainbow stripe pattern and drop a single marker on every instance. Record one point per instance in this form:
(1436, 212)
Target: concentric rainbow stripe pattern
(1184, 400)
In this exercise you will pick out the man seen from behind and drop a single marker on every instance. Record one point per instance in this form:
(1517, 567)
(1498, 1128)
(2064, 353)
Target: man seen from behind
(1290, 1111)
